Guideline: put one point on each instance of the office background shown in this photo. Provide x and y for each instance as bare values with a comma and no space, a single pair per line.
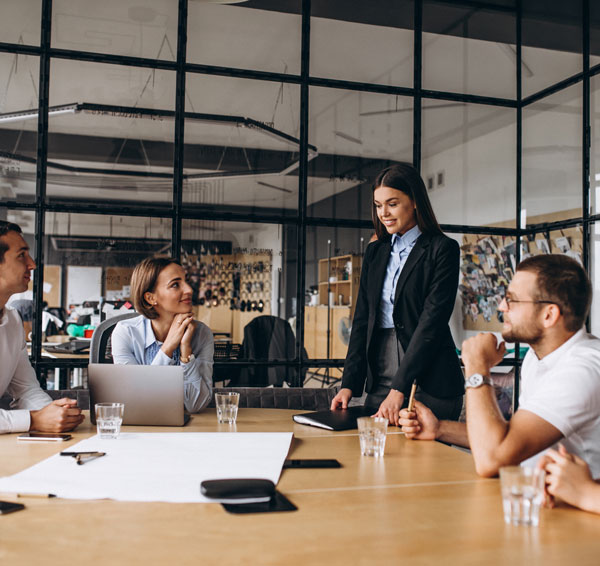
243,138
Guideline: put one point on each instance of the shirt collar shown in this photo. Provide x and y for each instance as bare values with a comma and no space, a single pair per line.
553,356
408,238
149,333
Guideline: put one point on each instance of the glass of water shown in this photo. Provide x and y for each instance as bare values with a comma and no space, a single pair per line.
372,433
227,407
522,494
109,417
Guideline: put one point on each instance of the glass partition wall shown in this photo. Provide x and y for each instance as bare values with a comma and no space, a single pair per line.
243,138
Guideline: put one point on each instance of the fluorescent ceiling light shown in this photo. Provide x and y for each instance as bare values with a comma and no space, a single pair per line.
31,114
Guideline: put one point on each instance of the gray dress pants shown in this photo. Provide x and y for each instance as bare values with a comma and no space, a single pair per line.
385,356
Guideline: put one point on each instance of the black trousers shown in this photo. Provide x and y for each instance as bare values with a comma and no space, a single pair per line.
386,354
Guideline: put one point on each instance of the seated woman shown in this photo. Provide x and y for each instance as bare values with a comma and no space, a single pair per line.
166,333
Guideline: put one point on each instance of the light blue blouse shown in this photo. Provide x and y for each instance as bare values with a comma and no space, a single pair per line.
401,248
133,342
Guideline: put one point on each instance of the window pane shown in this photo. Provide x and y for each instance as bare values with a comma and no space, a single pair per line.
244,280
487,265
595,150
469,162
90,258
594,273
263,36
552,41
21,21
552,157
241,151
594,33
357,134
363,41
110,133
119,27
18,133
333,264
469,50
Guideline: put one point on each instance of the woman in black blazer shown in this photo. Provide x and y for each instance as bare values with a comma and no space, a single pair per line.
407,291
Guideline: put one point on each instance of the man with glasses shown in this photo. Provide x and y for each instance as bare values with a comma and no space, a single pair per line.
33,409
546,306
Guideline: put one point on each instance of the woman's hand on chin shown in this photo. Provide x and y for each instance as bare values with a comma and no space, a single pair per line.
186,341
178,329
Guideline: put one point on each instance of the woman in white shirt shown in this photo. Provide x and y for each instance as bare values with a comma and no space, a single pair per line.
166,333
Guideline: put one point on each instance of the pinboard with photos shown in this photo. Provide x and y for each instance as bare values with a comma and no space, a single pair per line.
488,264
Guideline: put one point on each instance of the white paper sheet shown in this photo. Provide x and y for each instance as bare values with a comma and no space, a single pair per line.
155,466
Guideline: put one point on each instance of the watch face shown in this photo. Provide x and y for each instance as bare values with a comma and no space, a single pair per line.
475,380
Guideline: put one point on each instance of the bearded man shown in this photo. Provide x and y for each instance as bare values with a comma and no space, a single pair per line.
546,306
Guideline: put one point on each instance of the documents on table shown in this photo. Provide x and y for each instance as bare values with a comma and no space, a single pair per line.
155,466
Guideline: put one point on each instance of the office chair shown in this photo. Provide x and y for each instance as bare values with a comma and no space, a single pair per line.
268,338
100,347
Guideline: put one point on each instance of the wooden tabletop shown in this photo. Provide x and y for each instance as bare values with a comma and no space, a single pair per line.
421,504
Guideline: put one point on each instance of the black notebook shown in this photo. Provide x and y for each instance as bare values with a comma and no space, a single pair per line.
341,419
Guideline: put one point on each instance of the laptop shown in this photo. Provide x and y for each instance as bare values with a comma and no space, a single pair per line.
153,395
70,347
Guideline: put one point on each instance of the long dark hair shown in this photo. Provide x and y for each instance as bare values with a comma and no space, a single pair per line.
404,177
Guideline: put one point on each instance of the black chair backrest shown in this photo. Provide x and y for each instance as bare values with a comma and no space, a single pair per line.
99,348
299,398
268,338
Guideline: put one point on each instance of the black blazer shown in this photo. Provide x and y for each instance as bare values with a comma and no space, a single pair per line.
425,296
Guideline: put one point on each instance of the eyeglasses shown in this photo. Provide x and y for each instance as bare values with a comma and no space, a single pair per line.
510,301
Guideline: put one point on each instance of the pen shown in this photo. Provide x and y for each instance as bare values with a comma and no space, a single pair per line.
83,457
36,495
411,399
81,453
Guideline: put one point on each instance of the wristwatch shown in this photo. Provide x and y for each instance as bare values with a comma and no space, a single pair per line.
187,360
477,380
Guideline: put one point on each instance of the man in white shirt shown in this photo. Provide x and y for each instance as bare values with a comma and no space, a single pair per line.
33,409
545,306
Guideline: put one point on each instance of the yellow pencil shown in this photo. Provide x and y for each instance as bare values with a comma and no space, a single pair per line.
411,399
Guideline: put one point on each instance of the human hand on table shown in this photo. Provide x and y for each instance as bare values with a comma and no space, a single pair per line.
420,424
567,477
59,416
341,400
390,407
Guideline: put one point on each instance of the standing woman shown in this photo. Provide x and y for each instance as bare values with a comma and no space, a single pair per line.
166,333
407,292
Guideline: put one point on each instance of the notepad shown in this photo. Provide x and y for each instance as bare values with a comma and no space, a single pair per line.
341,419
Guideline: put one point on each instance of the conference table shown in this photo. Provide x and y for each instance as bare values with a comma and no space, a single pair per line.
422,503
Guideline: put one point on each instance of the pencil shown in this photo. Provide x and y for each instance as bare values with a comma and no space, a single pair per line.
411,399
36,495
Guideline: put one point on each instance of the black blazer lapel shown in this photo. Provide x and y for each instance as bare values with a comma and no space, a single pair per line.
377,274
414,257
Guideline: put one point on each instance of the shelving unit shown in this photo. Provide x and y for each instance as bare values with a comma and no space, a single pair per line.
340,276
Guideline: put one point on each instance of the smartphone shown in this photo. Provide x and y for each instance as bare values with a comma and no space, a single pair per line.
320,463
8,507
45,436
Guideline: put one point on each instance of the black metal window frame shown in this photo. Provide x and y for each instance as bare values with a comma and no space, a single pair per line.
177,211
